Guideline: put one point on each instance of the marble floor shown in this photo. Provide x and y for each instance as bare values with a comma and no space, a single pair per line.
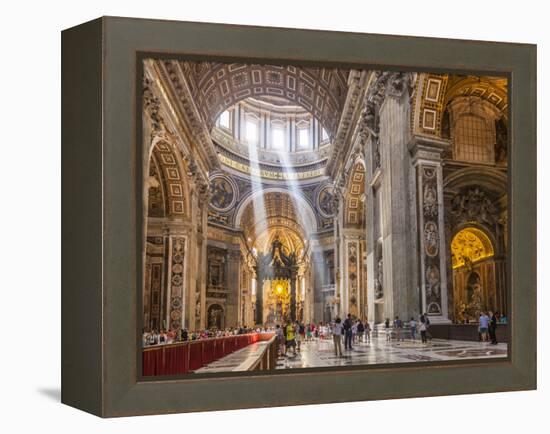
320,353
240,360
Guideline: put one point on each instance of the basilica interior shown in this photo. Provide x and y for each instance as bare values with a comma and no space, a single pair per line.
305,193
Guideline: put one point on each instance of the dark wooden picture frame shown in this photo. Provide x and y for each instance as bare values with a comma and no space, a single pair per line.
101,229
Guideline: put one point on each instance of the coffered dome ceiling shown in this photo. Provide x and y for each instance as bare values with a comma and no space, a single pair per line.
217,86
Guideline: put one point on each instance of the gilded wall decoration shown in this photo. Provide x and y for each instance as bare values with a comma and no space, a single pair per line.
470,245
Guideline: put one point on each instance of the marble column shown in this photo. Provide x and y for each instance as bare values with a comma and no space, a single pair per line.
426,156
395,217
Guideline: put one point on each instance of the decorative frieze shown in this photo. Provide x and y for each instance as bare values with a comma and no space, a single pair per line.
432,239
176,281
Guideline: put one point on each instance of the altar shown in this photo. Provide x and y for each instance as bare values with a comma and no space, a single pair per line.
276,274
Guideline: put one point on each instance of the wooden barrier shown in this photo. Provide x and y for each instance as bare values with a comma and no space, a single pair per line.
185,357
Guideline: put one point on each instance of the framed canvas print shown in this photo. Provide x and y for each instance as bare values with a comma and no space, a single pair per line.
263,217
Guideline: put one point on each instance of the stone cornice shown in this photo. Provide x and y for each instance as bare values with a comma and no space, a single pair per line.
357,87
427,148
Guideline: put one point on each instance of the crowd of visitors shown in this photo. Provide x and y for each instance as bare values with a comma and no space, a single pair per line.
160,337
352,331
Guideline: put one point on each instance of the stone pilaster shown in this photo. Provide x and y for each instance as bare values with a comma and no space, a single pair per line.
394,193
233,285
176,279
426,156
259,301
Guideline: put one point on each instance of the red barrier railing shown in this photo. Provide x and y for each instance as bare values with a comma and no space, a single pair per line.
182,358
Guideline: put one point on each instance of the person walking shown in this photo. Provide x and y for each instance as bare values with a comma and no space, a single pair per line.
387,328
348,332
367,331
484,326
280,334
423,329
493,320
290,336
360,330
337,331
412,326
427,321
398,326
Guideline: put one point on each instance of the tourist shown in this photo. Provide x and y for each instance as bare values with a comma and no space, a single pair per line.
162,337
484,326
302,331
184,335
322,331
313,330
337,331
290,338
503,319
347,332
398,326
280,334
423,329
354,331
412,326
387,329
145,337
367,331
297,335
493,327
308,332
360,330
427,320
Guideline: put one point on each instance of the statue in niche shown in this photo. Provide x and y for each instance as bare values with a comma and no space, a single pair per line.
222,193
215,316
198,307
378,282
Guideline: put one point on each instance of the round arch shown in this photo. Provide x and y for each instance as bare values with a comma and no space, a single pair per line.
173,178
491,179
304,209
469,245
434,92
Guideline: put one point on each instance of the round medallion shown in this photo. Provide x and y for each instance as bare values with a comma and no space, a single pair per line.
325,201
223,192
